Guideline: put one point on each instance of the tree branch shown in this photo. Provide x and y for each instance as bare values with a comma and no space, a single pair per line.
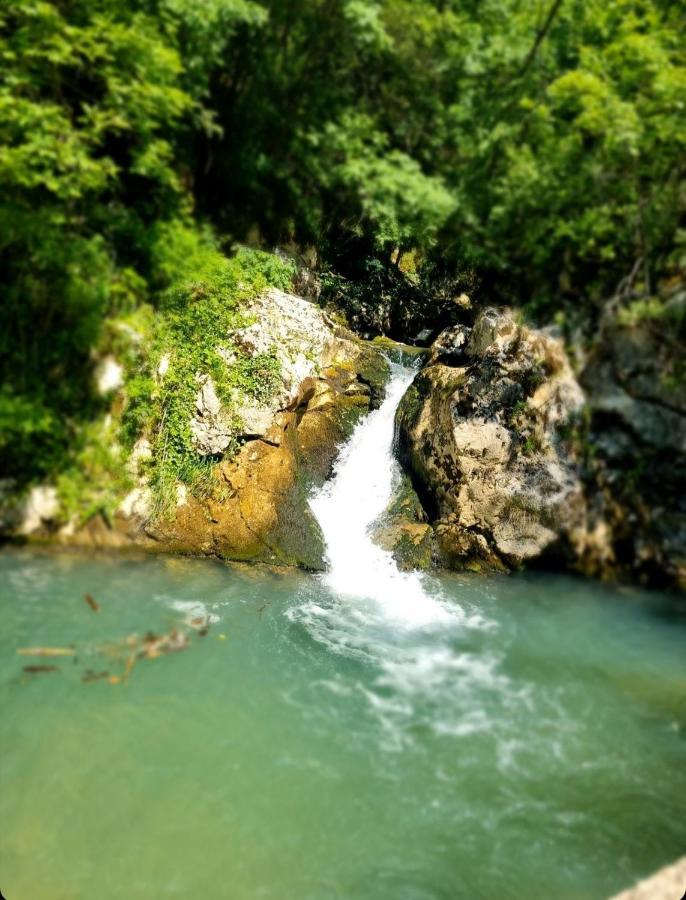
540,37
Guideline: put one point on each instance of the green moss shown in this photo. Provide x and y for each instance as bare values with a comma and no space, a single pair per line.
192,333
412,554
517,410
405,351
533,378
532,444
410,407
372,369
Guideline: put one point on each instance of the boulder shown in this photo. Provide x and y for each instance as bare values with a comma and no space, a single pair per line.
666,884
483,432
39,509
211,427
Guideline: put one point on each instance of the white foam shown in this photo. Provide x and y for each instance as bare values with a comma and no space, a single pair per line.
194,609
352,500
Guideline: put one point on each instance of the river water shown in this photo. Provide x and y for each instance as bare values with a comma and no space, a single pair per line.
361,734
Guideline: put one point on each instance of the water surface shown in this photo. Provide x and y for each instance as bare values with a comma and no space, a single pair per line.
528,742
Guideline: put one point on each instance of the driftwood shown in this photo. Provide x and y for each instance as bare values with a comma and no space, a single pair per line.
92,602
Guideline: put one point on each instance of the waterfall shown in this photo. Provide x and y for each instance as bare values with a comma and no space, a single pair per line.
366,608
365,475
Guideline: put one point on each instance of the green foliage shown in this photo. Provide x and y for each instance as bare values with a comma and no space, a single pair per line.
204,30
539,146
650,309
532,444
397,203
90,102
96,478
29,431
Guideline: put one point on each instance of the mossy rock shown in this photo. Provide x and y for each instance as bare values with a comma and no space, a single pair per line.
403,529
296,539
406,351
412,546
373,370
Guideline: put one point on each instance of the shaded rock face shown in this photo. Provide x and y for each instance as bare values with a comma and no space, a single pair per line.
392,301
415,316
484,433
636,472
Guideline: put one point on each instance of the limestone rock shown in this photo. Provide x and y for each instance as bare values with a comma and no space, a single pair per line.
211,429
482,431
667,884
260,511
137,504
296,330
403,529
287,443
109,375
39,509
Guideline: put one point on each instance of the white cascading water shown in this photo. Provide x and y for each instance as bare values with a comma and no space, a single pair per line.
347,506
365,607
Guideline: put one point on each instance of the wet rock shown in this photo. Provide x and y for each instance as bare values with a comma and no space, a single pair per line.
403,529
260,511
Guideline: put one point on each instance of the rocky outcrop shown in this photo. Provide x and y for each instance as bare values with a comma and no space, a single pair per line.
485,433
635,440
36,511
260,510
268,447
667,884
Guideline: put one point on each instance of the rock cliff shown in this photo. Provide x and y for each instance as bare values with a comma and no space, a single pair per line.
636,435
